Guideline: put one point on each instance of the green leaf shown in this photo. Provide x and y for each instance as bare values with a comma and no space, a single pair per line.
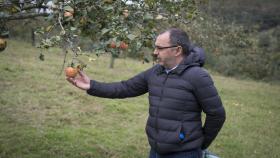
148,16
68,8
48,41
109,8
49,18
105,30
114,39
131,36
57,38
73,28
17,8
138,45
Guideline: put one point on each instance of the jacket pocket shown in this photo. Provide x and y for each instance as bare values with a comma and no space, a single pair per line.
182,134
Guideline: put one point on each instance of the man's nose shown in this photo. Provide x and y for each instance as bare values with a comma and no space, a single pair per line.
155,52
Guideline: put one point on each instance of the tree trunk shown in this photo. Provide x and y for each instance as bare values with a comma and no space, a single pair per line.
33,37
112,61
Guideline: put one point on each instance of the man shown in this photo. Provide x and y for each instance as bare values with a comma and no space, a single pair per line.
179,90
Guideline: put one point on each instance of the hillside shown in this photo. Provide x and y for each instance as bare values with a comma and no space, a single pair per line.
246,12
42,115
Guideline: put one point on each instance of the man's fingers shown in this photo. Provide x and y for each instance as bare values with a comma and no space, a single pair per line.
71,80
81,73
78,83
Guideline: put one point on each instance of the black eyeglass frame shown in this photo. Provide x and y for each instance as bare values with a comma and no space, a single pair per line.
161,48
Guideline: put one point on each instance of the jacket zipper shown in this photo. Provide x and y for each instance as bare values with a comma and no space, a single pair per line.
161,95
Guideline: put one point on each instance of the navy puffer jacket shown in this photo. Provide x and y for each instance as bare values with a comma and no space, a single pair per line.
176,101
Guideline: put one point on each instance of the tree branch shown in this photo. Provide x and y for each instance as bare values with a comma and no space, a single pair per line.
22,16
11,3
34,6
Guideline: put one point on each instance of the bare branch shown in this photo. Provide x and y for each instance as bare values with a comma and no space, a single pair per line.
22,16
34,6
11,3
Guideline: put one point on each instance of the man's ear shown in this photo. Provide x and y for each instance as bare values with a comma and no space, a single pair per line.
179,51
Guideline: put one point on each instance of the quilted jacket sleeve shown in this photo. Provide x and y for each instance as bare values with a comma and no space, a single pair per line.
130,88
209,99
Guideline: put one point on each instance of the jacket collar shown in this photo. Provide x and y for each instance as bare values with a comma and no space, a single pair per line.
195,58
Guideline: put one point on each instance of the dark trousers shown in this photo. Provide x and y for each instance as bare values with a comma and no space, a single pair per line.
187,154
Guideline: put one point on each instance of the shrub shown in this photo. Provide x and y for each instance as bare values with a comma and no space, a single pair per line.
234,51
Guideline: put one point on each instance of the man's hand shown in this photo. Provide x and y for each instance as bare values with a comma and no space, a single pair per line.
81,81
207,154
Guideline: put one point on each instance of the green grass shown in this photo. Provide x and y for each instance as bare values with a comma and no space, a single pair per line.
42,115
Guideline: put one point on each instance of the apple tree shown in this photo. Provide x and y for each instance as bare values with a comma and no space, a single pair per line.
114,26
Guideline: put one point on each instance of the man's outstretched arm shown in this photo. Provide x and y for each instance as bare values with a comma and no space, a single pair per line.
130,88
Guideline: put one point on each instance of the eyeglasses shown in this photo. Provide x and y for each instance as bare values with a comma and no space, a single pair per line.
161,48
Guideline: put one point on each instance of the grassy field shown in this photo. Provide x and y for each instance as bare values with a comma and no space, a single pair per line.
42,115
